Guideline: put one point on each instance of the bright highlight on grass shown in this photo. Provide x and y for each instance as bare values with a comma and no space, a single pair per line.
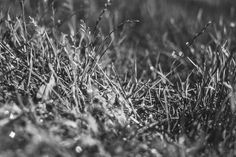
12,134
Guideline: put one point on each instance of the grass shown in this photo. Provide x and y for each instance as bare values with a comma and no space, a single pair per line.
111,88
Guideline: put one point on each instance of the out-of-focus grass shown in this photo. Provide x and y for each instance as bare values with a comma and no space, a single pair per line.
122,78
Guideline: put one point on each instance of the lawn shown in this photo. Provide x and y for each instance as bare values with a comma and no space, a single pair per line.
117,78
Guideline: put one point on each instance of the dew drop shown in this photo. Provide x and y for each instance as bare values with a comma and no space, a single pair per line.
41,120
12,116
152,68
174,54
181,54
232,24
78,149
12,134
187,43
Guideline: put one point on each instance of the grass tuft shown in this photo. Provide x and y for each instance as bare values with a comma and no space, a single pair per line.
116,86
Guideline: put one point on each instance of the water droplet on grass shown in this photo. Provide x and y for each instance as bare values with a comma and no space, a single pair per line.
41,120
232,24
12,134
78,149
187,43
12,116
174,55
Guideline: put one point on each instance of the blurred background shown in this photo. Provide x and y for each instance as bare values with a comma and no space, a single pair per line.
165,25
149,12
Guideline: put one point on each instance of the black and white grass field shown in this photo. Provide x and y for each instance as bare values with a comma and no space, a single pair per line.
117,78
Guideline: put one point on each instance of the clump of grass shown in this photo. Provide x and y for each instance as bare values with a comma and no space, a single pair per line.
93,94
